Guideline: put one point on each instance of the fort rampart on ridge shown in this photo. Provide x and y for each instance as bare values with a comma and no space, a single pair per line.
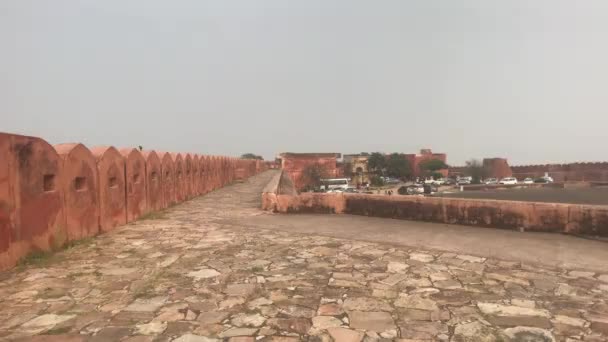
52,195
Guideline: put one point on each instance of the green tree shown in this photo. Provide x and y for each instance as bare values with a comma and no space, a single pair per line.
312,176
348,169
376,181
474,168
251,156
376,163
430,167
398,166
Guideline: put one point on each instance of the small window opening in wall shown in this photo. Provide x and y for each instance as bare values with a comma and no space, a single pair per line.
80,183
154,176
48,183
113,182
136,178
179,174
167,175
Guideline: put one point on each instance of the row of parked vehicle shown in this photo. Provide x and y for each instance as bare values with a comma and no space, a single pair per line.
506,180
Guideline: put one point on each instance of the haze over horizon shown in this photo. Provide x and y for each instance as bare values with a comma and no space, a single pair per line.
520,80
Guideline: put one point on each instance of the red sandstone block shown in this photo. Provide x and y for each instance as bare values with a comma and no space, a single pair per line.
112,202
180,183
135,173
188,188
214,173
196,191
31,201
154,189
167,179
225,174
204,169
80,185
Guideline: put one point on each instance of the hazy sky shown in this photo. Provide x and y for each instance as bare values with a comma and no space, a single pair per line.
526,80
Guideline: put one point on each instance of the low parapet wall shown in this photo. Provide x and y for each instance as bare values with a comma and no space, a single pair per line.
531,216
53,195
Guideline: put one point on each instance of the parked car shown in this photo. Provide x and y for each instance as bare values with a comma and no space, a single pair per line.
351,190
390,180
337,190
430,188
508,181
528,181
464,181
491,181
449,181
545,180
439,181
413,189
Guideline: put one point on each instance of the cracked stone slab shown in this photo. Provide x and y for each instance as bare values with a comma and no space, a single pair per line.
204,274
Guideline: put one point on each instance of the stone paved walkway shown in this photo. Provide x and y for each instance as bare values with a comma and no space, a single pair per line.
186,276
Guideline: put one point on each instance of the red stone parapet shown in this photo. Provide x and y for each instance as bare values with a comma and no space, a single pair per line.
80,185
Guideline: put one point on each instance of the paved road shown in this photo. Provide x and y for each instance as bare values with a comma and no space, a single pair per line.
208,269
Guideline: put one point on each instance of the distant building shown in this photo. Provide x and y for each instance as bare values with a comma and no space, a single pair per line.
355,167
425,155
294,165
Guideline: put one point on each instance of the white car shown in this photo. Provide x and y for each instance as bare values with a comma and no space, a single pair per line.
528,181
464,181
508,181
491,181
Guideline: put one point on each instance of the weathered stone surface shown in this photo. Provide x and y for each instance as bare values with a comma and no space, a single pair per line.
297,311
47,321
242,290
242,339
394,279
204,274
509,310
248,320
423,330
331,309
345,335
212,317
397,267
365,304
324,322
475,332
152,328
296,325
232,332
470,258
146,304
599,324
573,321
422,257
194,338
374,321
529,334
506,278
416,302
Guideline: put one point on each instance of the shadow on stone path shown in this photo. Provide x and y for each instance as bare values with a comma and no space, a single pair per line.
188,276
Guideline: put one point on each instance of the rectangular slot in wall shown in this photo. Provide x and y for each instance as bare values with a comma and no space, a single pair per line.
48,183
112,182
80,183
